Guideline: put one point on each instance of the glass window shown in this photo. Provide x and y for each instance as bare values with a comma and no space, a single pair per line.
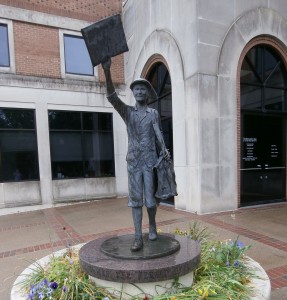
263,81
18,145
4,48
77,59
160,80
81,144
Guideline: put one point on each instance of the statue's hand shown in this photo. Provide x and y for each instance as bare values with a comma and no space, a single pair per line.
107,64
166,155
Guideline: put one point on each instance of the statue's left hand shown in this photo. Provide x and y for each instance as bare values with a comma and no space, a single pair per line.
166,155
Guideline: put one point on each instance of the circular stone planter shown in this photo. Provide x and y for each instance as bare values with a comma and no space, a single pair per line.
131,275
261,284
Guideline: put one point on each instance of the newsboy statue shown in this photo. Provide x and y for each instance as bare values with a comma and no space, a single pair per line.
145,145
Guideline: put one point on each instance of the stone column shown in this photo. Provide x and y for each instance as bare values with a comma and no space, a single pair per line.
44,156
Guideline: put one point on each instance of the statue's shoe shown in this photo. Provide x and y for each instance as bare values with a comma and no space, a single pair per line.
137,245
152,236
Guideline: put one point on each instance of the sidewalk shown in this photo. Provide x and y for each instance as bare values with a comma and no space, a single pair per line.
28,236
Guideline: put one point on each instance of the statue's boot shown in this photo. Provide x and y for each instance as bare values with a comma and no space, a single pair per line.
137,218
152,225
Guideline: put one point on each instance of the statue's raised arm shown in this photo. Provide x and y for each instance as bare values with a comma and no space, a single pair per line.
107,70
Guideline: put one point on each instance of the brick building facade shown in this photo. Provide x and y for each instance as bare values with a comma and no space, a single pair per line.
219,68
56,133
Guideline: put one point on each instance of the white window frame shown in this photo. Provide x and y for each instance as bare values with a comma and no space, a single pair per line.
11,68
62,56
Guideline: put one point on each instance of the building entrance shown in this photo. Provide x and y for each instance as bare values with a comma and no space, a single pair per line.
159,77
263,100
263,159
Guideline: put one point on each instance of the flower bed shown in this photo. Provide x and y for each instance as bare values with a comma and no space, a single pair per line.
225,272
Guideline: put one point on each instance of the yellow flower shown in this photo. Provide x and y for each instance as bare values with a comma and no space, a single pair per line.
173,298
159,230
199,291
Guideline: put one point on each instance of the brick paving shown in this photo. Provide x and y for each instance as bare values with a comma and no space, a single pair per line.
62,226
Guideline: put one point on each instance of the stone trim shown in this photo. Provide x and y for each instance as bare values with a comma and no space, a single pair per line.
156,58
24,15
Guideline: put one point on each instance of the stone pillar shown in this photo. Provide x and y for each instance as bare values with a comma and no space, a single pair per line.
44,156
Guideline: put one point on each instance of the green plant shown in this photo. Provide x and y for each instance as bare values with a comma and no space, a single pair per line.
61,279
196,232
222,274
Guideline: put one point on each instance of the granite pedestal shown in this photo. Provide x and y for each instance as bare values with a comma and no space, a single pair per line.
132,275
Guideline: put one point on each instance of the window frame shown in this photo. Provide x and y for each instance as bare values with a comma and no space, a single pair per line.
261,84
64,74
82,132
11,67
22,130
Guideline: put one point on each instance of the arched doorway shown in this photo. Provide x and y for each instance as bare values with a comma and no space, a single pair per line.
158,76
263,102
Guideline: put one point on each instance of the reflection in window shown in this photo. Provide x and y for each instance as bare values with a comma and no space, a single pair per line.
263,81
81,144
18,145
4,48
77,59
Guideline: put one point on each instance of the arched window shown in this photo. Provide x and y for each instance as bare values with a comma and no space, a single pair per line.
159,77
263,91
263,81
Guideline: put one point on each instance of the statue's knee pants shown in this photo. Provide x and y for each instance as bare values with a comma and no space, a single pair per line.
141,186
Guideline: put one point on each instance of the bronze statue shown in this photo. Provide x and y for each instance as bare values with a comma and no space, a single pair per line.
145,145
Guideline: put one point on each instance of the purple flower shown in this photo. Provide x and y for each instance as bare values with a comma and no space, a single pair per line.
53,285
236,264
64,289
239,244
227,264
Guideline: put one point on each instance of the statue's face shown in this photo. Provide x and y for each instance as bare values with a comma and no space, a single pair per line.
141,93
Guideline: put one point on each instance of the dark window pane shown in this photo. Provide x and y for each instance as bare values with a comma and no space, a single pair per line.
66,154
263,80
166,107
64,120
99,154
4,48
276,79
251,97
160,80
247,74
17,119
97,121
274,99
18,145
105,121
270,62
90,121
77,59
254,57
87,152
19,159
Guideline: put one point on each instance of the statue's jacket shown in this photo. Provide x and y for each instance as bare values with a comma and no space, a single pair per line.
146,143
143,143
